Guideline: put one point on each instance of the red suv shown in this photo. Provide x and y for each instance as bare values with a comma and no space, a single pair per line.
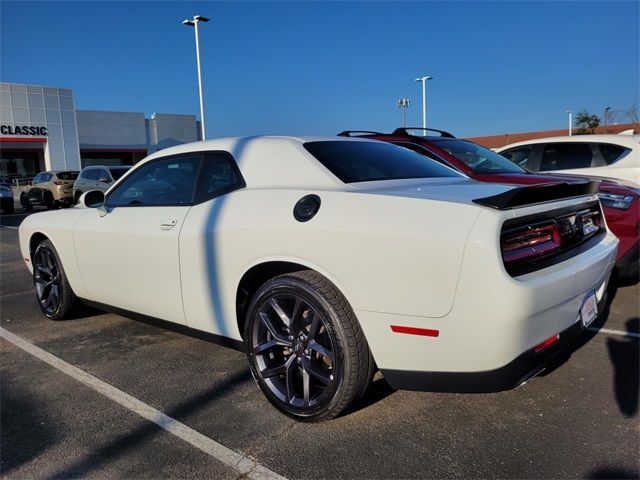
620,202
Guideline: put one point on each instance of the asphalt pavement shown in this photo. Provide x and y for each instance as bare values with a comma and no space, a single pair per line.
579,420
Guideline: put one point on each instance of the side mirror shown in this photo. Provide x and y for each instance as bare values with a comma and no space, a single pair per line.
92,199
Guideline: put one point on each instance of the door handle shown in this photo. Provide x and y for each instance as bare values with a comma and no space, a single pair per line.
168,223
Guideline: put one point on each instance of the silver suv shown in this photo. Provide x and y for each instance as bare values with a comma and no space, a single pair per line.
97,177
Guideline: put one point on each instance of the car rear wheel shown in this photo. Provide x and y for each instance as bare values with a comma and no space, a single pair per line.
77,196
54,294
8,209
305,347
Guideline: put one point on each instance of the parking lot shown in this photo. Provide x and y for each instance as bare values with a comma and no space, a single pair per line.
580,419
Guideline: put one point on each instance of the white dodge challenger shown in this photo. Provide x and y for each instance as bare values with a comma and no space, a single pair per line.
326,258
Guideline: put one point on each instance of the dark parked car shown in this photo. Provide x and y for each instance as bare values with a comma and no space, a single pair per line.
6,197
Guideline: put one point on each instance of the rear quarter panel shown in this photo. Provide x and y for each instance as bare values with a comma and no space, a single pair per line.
386,254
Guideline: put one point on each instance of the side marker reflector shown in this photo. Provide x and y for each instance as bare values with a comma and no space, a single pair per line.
547,343
425,332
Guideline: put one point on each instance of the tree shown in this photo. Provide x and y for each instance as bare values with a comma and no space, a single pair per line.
586,123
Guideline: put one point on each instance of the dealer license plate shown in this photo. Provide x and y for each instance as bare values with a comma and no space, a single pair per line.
589,309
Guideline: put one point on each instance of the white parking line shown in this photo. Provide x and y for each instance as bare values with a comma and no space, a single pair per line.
615,332
7,226
235,460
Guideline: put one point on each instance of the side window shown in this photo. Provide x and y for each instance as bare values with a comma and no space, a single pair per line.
169,181
37,178
612,153
103,174
219,174
46,177
561,156
91,174
520,155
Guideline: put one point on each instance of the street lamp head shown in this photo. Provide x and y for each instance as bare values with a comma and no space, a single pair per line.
188,22
423,79
200,18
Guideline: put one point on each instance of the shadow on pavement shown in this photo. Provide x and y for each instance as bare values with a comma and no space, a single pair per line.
147,430
23,435
625,356
611,472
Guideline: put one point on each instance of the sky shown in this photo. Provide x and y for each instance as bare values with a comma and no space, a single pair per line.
316,68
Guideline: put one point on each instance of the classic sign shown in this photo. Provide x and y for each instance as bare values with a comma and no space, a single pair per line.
24,130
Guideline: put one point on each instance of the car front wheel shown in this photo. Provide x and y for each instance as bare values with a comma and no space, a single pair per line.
55,296
305,347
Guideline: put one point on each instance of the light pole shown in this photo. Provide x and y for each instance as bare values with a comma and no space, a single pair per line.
194,23
403,104
606,114
570,121
424,100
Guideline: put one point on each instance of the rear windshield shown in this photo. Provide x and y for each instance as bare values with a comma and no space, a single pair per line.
117,172
369,161
479,159
67,175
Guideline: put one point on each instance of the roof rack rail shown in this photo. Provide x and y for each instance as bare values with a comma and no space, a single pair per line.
403,131
350,133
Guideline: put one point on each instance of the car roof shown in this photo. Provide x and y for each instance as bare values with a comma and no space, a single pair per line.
259,157
619,139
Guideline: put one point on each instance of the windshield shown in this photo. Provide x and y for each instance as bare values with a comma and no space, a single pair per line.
479,159
117,172
67,175
368,161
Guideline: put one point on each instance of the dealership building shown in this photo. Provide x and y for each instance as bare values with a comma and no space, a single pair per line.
40,129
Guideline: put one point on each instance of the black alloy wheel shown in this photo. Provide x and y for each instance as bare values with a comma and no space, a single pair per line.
54,294
305,347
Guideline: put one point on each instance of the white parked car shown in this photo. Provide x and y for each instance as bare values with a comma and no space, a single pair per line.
325,258
616,156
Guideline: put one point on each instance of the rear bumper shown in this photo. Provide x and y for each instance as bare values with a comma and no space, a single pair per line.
511,375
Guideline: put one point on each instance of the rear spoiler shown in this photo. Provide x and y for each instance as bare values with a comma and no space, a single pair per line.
531,194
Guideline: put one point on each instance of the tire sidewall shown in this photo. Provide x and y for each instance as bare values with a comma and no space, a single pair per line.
291,285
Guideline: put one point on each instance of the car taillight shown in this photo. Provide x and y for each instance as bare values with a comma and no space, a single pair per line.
59,182
530,242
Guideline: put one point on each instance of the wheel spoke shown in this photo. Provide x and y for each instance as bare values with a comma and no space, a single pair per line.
314,327
278,309
55,295
275,371
316,347
306,387
44,270
275,333
291,375
268,345
318,374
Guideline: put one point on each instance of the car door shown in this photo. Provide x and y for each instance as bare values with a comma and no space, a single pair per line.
129,257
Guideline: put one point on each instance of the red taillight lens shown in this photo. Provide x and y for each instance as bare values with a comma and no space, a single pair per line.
530,242
59,182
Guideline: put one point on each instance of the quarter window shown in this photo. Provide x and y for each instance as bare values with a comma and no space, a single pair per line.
170,181
561,156
612,153
219,174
